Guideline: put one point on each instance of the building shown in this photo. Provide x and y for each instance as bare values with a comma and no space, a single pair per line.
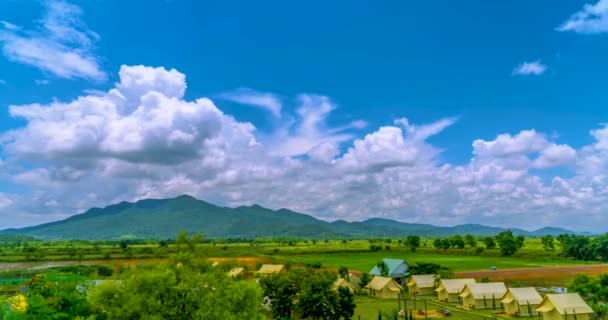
341,282
385,288
483,295
448,290
564,306
521,301
235,272
355,280
421,284
397,269
271,268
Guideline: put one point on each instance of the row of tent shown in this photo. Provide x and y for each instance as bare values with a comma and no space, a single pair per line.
492,295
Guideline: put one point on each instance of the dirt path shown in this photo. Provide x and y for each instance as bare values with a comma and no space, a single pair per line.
544,273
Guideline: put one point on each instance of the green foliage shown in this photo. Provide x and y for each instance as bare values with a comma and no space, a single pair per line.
383,268
457,241
470,240
413,242
489,242
365,279
594,291
507,243
548,242
343,273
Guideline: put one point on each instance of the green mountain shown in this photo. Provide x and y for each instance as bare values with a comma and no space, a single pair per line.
163,218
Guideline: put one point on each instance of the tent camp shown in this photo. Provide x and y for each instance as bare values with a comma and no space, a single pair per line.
397,269
564,306
271,268
341,282
448,290
235,272
385,288
483,295
354,279
521,301
421,284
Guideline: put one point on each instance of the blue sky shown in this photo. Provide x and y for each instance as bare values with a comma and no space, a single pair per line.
314,88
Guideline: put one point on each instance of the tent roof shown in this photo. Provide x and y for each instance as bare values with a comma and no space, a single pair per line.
341,282
570,303
453,285
490,290
392,264
235,272
422,281
378,283
271,268
523,296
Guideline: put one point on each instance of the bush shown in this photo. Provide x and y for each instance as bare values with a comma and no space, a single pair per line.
104,271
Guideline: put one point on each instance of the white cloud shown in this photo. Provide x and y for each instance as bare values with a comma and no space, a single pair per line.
535,68
591,19
41,82
9,26
144,139
268,101
61,44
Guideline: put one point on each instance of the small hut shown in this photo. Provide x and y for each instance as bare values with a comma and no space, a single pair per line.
521,301
421,284
235,272
564,306
483,295
397,269
448,290
385,288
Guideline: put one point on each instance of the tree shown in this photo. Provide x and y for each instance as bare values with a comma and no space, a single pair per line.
507,243
280,291
343,272
383,268
346,304
489,242
365,279
548,242
457,241
594,291
446,243
413,242
437,243
521,240
470,240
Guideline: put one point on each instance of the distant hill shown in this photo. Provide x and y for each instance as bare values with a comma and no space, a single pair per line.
163,218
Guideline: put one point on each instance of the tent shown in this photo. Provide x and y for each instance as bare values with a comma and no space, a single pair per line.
422,284
271,268
448,290
521,301
235,272
385,288
564,306
483,295
341,282
397,268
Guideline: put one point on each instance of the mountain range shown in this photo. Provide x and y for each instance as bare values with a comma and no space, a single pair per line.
164,218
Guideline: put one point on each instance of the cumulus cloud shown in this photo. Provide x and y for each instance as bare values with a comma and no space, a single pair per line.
61,43
143,139
535,68
591,19
265,100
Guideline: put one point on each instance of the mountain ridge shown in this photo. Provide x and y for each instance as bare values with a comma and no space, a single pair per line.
163,218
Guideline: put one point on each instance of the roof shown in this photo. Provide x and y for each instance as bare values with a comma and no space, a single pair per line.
271,268
378,283
523,296
489,290
569,303
453,285
422,281
341,282
397,268
235,272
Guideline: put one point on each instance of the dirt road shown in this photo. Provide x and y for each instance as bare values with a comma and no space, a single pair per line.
557,275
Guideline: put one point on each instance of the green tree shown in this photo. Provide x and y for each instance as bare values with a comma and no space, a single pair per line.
457,241
489,242
383,268
437,243
413,242
343,273
346,304
548,242
365,279
446,243
507,243
521,240
470,240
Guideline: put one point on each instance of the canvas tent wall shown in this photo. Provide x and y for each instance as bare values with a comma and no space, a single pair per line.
448,290
521,301
421,284
483,295
564,306
385,288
